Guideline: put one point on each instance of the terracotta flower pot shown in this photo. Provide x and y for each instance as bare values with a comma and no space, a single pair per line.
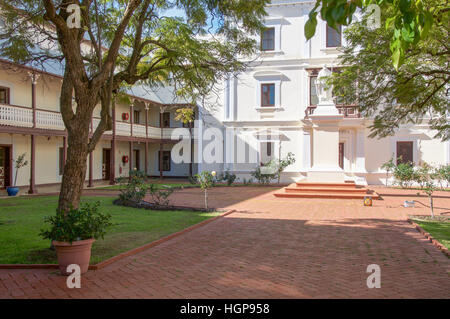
79,253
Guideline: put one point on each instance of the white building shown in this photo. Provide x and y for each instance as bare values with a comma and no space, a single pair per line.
276,96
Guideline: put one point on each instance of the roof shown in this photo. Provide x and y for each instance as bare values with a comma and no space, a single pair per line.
159,94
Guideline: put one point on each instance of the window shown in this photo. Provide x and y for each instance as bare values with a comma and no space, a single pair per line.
165,161
61,160
268,94
268,40
4,95
166,119
334,37
136,117
313,98
404,152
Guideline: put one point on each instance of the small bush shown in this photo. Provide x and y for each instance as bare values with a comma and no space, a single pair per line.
404,174
77,224
160,196
229,178
135,187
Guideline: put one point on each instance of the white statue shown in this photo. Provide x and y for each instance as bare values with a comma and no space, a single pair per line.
324,91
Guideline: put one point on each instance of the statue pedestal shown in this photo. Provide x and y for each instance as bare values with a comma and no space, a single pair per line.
325,145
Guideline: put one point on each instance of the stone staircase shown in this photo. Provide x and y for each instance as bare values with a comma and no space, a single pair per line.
347,190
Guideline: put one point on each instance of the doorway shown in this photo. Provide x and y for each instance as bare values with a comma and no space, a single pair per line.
5,166
341,155
106,164
136,160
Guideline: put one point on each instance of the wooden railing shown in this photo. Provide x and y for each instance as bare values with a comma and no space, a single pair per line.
19,116
349,111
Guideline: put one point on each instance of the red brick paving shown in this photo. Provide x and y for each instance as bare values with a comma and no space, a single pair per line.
272,248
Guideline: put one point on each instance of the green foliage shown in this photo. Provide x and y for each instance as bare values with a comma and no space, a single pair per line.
409,21
443,175
160,196
267,172
77,224
185,115
206,179
247,182
228,177
414,91
404,174
19,163
135,187
389,166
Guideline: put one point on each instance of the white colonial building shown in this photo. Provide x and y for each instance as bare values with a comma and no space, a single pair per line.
270,110
276,102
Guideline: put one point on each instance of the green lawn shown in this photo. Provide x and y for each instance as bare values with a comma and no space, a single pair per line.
438,229
21,220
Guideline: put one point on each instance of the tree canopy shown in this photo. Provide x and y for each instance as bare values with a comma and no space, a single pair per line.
418,91
410,20
123,42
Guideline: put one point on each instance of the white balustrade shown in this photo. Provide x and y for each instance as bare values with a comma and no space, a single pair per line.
123,129
139,130
16,116
49,120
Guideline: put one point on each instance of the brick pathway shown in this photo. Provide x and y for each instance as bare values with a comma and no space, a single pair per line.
272,248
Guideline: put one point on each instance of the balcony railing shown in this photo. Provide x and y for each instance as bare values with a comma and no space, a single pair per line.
19,116
349,111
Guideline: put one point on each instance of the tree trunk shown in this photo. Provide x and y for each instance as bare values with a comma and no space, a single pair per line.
431,206
192,149
75,169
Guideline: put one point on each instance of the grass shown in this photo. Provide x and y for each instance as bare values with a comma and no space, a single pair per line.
438,229
21,220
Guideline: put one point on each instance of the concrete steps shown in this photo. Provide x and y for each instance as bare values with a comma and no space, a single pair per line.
326,190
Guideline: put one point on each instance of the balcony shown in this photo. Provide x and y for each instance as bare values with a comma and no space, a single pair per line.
349,111
19,116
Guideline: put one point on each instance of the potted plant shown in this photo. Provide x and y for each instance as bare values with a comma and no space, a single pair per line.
18,163
73,233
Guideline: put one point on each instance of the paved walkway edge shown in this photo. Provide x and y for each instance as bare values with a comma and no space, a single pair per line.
128,253
432,240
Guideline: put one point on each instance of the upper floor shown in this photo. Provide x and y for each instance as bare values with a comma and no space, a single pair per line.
29,100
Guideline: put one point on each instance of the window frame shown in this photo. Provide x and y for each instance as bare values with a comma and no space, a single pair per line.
164,120
8,95
161,162
270,85
398,143
61,163
136,119
328,28
273,40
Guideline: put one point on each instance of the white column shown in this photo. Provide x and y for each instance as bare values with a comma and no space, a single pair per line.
229,148
226,90
199,140
306,150
232,98
360,156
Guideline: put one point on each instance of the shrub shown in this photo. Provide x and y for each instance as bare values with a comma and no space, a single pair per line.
160,196
404,174
77,224
229,178
389,166
422,174
206,180
135,187
265,173
443,175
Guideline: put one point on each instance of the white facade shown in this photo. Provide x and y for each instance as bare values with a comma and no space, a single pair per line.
288,69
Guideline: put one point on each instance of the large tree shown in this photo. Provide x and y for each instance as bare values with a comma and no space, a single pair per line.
122,42
418,91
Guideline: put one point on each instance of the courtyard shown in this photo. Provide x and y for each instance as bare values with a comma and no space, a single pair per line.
270,248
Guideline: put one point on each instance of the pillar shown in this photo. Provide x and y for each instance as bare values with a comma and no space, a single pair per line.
91,170
32,189
112,159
